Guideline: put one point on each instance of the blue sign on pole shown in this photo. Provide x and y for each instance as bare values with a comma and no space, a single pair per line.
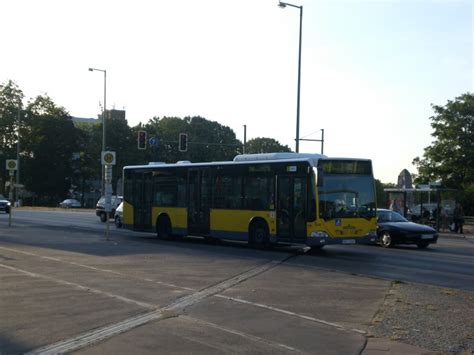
153,141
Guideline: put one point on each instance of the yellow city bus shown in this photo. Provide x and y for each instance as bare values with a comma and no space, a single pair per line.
259,198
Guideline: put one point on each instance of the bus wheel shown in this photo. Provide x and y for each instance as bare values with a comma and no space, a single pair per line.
163,227
259,236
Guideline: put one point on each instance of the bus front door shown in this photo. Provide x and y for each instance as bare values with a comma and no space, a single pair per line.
291,208
199,194
142,201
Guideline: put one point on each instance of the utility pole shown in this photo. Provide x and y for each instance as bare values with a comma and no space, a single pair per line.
317,140
18,152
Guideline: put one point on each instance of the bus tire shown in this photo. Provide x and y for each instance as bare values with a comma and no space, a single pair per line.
259,236
163,227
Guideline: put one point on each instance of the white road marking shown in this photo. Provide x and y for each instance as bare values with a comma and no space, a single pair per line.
279,310
241,334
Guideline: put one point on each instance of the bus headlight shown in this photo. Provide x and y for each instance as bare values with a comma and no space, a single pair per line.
319,234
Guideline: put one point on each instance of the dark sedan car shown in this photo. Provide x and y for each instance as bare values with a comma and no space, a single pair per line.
393,229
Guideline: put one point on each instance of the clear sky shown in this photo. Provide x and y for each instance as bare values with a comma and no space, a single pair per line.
370,69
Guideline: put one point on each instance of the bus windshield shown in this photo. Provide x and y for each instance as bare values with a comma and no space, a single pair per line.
346,196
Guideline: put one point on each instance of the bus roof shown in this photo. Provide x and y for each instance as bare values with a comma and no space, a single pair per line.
311,159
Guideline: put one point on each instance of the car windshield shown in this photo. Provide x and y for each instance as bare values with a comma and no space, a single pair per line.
114,200
390,216
2,197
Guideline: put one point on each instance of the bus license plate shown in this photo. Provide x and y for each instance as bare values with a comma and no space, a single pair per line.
348,241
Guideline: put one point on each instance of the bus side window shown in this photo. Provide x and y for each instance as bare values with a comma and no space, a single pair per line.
181,192
227,192
258,193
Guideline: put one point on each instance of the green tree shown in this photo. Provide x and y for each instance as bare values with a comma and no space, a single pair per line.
49,143
207,140
210,141
450,158
123,142
86,162
265,145
10,107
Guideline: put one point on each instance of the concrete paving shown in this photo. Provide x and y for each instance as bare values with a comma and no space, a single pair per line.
74,291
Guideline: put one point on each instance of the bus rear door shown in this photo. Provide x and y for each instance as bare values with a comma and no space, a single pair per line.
142,201
199,194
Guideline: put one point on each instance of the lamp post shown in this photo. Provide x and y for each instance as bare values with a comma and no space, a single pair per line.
103,123
245,139
283,5
18,152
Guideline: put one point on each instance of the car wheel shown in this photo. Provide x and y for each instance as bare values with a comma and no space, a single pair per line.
103,217
7,210
118,222
423,245
259,236
386,240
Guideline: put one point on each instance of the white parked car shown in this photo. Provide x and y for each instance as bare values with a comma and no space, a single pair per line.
100,207
4,204
119,216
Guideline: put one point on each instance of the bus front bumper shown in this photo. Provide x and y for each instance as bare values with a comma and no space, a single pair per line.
323,239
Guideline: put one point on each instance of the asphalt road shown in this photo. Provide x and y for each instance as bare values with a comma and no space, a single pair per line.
64,288
449,263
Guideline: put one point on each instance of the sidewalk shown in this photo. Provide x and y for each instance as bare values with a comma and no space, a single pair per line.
466,235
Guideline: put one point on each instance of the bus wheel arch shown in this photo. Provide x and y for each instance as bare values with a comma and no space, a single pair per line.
259,235
163,226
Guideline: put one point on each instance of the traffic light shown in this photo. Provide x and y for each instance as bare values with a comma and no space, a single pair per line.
142,139
183,142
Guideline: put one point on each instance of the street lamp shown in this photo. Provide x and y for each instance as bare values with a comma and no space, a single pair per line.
283,5
18,152
103,122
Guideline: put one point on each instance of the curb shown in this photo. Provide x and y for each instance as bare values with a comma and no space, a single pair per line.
381,346
466,236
